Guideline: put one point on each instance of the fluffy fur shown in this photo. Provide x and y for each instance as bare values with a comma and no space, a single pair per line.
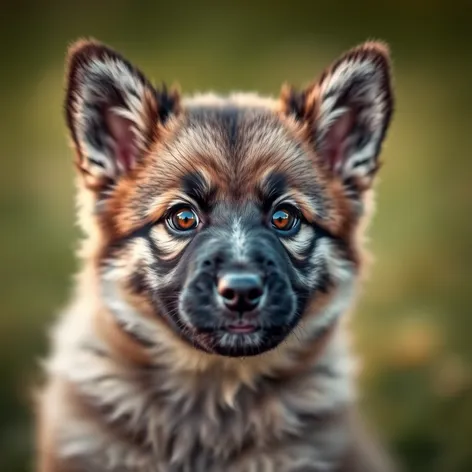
139,377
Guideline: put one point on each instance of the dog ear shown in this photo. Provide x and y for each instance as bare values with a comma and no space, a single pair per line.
113,112
346,113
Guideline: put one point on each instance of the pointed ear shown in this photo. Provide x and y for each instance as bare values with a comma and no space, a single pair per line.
113,112
346,113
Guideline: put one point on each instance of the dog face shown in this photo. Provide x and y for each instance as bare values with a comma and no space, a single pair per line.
229,219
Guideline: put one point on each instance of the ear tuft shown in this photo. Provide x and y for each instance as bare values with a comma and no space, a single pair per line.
113,112
347,112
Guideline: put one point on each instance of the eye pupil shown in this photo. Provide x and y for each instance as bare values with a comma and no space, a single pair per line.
184,219
283,219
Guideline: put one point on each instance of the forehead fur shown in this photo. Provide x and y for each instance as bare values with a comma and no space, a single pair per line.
234,144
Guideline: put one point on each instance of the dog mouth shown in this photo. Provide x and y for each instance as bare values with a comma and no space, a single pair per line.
236,311
242,327
239,338
210,326
237,333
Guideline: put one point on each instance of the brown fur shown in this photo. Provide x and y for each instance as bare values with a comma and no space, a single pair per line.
125,391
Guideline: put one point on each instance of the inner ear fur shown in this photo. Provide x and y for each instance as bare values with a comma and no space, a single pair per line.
346,113
112,111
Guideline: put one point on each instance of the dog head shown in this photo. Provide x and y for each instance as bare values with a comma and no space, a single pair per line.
231,220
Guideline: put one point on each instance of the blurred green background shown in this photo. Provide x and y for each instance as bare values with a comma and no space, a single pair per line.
413,324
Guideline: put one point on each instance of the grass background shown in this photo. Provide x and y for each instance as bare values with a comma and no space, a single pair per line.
413,323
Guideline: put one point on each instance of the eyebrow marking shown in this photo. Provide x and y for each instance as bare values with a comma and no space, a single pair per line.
198,189
271,189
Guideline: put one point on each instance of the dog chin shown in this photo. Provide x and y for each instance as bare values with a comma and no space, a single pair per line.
229,344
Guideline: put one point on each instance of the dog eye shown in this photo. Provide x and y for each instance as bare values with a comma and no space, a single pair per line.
284,219
183,219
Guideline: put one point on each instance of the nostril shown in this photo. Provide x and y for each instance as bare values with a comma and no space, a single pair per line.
229,295
254,294
207,263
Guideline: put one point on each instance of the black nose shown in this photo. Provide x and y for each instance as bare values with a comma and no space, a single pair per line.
240,291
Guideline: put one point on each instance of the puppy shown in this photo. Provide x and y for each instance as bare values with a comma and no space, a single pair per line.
222,251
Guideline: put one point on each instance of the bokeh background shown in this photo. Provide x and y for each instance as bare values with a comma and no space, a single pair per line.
413,323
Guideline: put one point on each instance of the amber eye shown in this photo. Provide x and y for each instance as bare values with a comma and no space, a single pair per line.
284,219
183,219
